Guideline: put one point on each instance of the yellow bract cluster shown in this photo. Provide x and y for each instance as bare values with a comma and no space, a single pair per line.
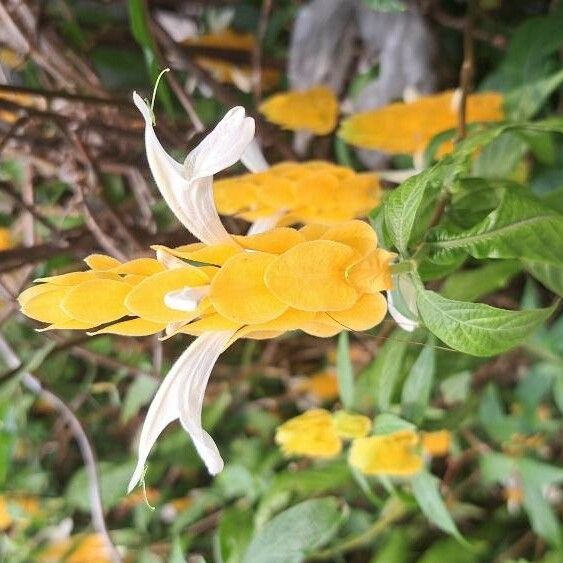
317,433
314,110
226,71
311,192
318,279
408,127
89,548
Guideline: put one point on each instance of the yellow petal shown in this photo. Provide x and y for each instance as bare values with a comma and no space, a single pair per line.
69,324
34,291
45,306
101,262
209,323
238,291
368,311
373,273
216,254
74,278
292,319
133,327
97,301
392,454
311,434
437,443
139,267
356,234
322,326
350,426
146,300
311,276
274,241
313,231
314,110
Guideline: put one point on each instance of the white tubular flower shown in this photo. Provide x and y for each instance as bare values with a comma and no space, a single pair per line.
188,188
253,158
180,396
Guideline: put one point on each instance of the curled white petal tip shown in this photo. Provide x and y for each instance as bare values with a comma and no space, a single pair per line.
253,158
188,188
181,395
402,320
186,299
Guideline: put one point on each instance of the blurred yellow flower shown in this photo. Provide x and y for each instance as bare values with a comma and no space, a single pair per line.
436,444
408,127
16,510
318,433
24,100
226,71
391,454
322,385
309,192
6,241
89,548
314,110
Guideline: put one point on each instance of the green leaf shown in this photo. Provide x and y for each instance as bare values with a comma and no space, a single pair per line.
402,207
386,5
475,328
522,226
395,549
289,536
233,535
385,370
345,372
470,285
139,394
387,423
548,274
427,495
418,385
499,158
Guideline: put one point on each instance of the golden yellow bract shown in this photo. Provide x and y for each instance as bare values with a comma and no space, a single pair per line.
408,127
390,454
436,444
88,548
314,110
318,433
260,286
315,191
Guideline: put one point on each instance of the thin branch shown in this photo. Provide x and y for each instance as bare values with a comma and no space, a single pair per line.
32,384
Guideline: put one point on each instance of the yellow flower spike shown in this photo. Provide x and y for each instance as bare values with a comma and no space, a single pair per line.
368,311
307,192
45,305
275,241
409,127
34,291
97,301
101,262
146,300
238,291
311,276
311,434
436,444
393,454
322,385
351,426
314,110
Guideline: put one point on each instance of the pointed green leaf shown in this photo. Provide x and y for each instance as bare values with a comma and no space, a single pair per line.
345,372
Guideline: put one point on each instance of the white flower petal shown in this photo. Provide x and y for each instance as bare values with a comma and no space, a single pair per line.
402,320
189,198
253,158
169,261
265,224
186,299
187,379
190,401
223,146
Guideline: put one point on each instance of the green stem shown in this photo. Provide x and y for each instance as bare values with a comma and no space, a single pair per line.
393,511
403,267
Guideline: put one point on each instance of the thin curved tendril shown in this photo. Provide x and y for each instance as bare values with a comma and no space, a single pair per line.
162,73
